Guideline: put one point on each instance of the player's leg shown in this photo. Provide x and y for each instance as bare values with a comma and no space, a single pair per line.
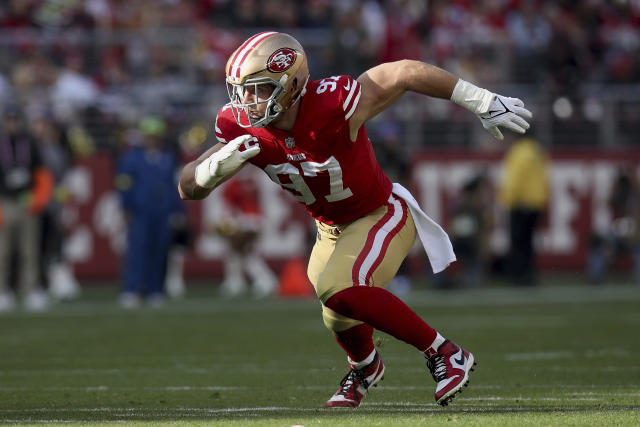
35,298
635,256
355,338
263,281
372,249
368,253
133,272
7,208
156,260
346,243
366,368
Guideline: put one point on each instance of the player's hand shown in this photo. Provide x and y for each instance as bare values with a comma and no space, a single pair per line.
226,160
505,112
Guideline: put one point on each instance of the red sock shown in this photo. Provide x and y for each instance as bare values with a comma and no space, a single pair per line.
385,312
357,342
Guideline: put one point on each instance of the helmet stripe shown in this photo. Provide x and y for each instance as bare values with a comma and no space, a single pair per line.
244,50
237,52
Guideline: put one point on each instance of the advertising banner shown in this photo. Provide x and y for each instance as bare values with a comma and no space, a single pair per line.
581,181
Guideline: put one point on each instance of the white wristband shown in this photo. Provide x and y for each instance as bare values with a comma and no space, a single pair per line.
471,97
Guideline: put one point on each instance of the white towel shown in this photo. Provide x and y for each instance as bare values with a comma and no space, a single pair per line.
434,239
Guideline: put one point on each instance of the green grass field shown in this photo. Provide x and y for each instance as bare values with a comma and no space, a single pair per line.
553,355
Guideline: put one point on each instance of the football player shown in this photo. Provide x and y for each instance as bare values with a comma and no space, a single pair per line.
309,137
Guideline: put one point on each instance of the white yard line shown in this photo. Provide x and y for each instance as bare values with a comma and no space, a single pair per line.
374,407
568,354
540,355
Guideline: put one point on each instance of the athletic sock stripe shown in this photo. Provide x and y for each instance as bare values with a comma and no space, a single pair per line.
378,241
402,210
245,49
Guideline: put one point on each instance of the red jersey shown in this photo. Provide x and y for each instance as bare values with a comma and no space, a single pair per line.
338,180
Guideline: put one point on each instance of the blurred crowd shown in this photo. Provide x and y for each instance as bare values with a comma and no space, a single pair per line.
83,76
103,64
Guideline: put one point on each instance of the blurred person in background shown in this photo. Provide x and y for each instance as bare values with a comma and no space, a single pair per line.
470,227
530,32
146,180
25,189
241,225
309,137
524,192
623,235
56,271
5,91
73,90
181,239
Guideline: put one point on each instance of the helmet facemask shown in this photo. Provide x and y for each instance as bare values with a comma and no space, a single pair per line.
265,90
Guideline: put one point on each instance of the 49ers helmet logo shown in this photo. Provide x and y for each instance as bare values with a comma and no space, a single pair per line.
281,60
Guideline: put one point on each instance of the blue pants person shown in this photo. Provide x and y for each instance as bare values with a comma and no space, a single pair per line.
148,239
147,187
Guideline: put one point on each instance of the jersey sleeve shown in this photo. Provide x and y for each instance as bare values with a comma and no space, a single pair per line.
348,95
339,94
225,125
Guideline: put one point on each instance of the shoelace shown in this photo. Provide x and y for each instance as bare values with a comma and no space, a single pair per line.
437,367
349,380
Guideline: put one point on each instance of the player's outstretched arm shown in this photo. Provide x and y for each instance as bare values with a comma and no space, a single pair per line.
215,166
386,83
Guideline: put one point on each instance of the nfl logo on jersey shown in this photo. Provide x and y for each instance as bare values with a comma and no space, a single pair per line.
290,142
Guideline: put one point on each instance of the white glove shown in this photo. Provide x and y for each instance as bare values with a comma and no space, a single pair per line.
505,112
226,160
493,110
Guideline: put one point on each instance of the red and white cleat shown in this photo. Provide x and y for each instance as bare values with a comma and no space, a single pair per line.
355,384
450,367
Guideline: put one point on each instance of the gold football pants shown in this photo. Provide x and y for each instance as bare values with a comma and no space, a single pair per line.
365,252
